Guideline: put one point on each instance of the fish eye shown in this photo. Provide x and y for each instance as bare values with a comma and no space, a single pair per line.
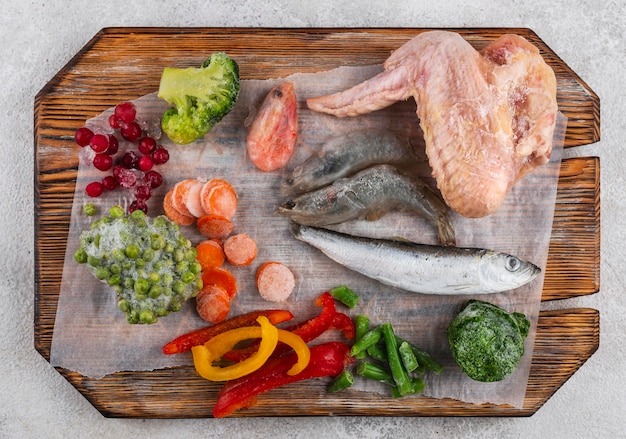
512,263
289,204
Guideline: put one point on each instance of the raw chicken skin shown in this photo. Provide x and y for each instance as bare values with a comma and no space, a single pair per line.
488,117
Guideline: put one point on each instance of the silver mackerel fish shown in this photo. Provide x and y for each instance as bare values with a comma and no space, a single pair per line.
421,268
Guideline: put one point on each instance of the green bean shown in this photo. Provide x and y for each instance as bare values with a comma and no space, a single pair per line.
361,326
398,372
345,295
374,372
424,358
344,380
368,339
378,352
407,356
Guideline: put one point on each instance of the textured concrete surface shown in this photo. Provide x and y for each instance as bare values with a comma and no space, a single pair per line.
40,37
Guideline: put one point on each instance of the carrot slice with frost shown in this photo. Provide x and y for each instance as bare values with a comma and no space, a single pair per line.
210,254
192,199
215,226
174,214
275,281
240,249
221,277
219,197
213,305
181,194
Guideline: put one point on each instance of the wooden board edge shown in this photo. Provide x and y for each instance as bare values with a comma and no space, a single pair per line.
133,394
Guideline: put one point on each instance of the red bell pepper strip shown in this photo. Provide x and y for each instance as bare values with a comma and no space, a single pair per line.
328,359
342,322
308,330
185,342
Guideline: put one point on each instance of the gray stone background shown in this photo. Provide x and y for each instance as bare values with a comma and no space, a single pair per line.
39,37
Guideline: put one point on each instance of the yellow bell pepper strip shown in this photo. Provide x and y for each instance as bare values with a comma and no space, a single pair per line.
185,342
299,346
204,355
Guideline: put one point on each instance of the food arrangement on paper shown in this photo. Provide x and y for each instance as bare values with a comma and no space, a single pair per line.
298,228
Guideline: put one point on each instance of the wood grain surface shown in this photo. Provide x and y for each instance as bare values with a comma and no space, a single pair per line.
126,63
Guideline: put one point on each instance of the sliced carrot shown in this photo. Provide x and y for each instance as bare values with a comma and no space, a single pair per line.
240,249
221,277
275,281
181,194
215,226
192,199
174,214
210,254
219,197
213,305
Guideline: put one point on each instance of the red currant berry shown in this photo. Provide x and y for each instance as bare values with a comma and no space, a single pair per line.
126,112
109,182
130,160
102,162
114,121
153,179
114,145
99,142
138,205
145,163
143,192
94,189
131,131
82,136
160,156
147,145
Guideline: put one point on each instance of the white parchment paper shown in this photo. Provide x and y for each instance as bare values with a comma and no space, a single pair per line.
91,335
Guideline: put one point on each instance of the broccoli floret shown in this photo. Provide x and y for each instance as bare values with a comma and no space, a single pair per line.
151,266
201,97
486,341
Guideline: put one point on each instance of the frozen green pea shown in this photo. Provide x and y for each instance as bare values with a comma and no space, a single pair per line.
154,277
195,267
148,255
179,254
141,286
124,305
80,256
157,242
155,291
182,267
115,268
118,254
89,209
102,273
114,280
116,212
188,277
147,316
132,251
129,283
93,261
179,287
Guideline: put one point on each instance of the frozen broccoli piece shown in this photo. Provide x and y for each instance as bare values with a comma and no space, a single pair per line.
201,97
486,341
151,266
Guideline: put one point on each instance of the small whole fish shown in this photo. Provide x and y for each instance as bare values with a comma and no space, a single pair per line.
370,194
421,268
273,133
345,154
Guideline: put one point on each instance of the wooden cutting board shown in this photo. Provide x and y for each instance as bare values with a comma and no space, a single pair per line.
125,63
